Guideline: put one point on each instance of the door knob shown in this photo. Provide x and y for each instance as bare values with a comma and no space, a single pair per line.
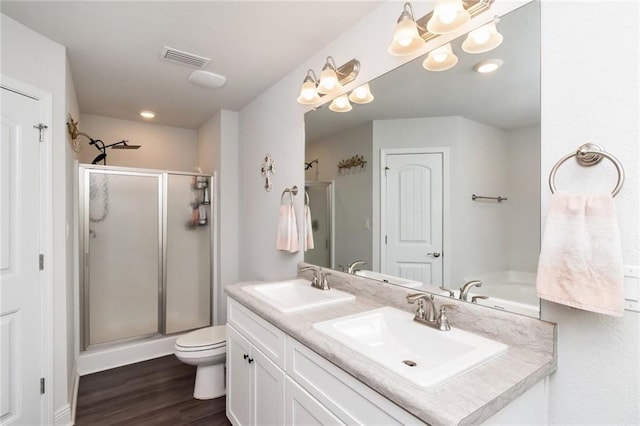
434,254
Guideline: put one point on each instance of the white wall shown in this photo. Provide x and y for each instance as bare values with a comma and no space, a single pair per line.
33,59
162,147
218,152
597,380
523,206
352,190
585,97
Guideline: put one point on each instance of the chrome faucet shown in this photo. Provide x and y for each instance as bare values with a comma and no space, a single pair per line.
426,312
464,291
319,277
351,267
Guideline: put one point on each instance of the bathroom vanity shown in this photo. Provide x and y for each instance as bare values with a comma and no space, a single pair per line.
295,374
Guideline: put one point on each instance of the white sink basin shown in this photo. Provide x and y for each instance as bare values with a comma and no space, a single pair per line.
388,278
296,295
420,354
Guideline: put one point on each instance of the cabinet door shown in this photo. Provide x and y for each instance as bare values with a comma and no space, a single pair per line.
238,378
303,409
268,390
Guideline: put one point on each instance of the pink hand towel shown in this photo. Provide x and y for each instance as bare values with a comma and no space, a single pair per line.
308,230
581,259
287,229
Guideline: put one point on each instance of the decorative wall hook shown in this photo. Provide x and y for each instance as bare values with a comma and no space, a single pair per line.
310,164
268,168
349,163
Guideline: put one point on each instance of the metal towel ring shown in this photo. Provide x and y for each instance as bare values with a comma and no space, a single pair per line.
291,191
587,155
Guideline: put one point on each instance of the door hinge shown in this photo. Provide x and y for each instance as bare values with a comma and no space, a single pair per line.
385,171
41,127
42,385
385,239
41,261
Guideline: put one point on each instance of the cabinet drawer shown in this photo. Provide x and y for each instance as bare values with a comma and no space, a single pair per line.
267,338
346,397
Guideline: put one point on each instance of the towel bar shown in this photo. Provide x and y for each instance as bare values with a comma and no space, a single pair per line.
588,155
292,191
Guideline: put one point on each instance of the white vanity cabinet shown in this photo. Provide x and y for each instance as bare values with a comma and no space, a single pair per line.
255,375
272,379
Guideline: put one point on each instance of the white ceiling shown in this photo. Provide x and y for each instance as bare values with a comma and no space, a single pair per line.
114,49
507,99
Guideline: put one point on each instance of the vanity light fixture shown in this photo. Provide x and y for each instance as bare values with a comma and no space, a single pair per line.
411,32
440,59
341,104
361,95
448,16
332,80
308,92
488,66
406,38
147,114
483,39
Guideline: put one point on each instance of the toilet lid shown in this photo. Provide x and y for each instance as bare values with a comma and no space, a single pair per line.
208,336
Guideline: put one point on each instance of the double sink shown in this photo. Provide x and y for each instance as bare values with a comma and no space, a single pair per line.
423,356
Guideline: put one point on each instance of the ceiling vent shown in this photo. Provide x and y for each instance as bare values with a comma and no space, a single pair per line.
185,58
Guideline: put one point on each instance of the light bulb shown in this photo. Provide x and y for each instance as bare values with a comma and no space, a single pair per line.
147,114
329,83
361,94
406,31
446,12
481,35
440,55
448,16
340,104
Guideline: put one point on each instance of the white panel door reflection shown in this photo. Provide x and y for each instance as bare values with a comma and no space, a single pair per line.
413,222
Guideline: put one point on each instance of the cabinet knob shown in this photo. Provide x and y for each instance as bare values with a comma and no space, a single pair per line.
250,360
245,356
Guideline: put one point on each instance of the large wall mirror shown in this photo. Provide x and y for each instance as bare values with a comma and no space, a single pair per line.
432,142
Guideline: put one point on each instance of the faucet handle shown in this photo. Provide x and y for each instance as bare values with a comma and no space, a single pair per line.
448,290
443,320
474,299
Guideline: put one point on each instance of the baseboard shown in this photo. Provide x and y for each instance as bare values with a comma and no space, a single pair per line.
62,417
97,360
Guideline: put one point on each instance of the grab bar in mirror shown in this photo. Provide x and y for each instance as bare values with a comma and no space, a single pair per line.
499,198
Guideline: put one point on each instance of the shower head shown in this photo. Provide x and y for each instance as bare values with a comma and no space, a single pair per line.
100,158
124,145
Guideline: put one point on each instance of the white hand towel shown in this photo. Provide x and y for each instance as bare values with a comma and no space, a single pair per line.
581,258
308,230
287,229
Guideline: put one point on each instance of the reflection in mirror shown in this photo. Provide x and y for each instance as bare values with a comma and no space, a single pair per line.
432,140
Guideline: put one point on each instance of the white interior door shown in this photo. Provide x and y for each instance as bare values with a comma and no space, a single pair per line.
412,212
20,288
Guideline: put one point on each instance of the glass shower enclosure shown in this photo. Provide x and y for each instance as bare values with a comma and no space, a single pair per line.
147,244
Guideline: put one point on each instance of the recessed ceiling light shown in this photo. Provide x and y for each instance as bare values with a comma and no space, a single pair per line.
490,65
147,114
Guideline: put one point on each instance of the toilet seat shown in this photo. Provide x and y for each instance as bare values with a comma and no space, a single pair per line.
204,339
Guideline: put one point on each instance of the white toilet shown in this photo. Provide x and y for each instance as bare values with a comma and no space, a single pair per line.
205,348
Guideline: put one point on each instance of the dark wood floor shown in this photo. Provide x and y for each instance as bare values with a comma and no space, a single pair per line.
155,392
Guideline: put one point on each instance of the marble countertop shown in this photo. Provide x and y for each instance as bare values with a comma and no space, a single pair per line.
469,398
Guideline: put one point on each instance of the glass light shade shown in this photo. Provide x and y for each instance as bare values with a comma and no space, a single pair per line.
329,83
448,16
406,38
308,93
440,59
482,39
361,95
340,104
488,66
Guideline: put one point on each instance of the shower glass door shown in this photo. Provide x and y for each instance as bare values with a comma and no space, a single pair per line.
187,252
121,292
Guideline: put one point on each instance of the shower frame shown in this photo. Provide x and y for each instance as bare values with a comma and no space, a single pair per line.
84,174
